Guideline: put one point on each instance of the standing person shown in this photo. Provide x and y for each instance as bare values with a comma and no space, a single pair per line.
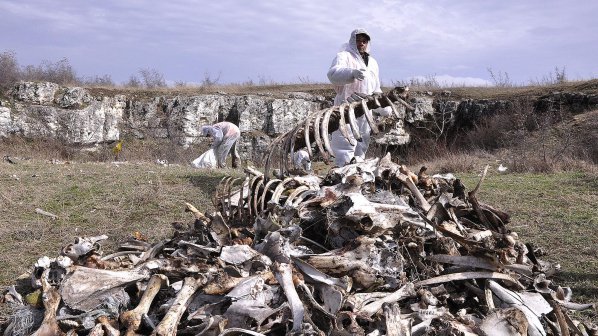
354,70
224,135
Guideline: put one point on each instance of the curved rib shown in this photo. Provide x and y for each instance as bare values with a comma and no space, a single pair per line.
294,194
256,196
319,138
306,135
369,117
324,131
353,121
395,112
266,188
342,124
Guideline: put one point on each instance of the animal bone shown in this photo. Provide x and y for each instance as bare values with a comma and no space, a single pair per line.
395,325
85,288
324,131
514,300
353,121
342,126
82,246
168,325
51,299
284,276
369,117
131,319
407,291
318,135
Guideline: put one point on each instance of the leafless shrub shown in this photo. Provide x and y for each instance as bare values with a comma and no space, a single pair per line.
105,80
133,82
437,125
305,80
9,69
152,78
60,72
428,82
559,76
208,80
490,133
500,79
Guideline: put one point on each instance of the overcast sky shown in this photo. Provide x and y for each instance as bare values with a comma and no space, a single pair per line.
295,41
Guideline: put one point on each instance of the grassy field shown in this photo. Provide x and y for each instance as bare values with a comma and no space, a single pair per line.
91,199
556,212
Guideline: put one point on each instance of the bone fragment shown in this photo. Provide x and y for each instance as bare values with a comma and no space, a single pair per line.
51,299
413,188
131,319
404,292
514,300
85,288
46,213
284,276
168,325
395,325
82,246
467,276
109,330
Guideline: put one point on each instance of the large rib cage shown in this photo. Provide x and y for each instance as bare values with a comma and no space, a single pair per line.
319,124
240,200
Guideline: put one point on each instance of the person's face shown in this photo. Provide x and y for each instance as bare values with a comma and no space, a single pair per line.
362,42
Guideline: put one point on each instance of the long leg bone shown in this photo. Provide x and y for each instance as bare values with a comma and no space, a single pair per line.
131,319
168,325
284,276
404,292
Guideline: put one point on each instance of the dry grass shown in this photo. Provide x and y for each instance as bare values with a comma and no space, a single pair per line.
556,212
91,199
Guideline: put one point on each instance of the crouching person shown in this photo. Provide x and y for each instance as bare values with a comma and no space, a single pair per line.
224,140
302,161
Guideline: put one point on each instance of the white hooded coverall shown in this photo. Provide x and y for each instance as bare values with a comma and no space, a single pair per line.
341,75
301,160
224,135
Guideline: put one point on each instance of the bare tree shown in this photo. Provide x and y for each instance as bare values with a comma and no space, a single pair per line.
152,78
500,79
208,80
9,69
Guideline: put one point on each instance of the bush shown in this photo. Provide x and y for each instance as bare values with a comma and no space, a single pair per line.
151,78
60,72
9,69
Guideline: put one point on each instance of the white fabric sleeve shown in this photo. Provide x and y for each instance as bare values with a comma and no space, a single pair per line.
340,72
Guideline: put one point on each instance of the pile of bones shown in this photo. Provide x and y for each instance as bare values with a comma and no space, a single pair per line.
368,249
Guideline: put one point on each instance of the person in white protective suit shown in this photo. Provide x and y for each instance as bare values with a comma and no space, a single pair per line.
302,161
224,135
354,70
